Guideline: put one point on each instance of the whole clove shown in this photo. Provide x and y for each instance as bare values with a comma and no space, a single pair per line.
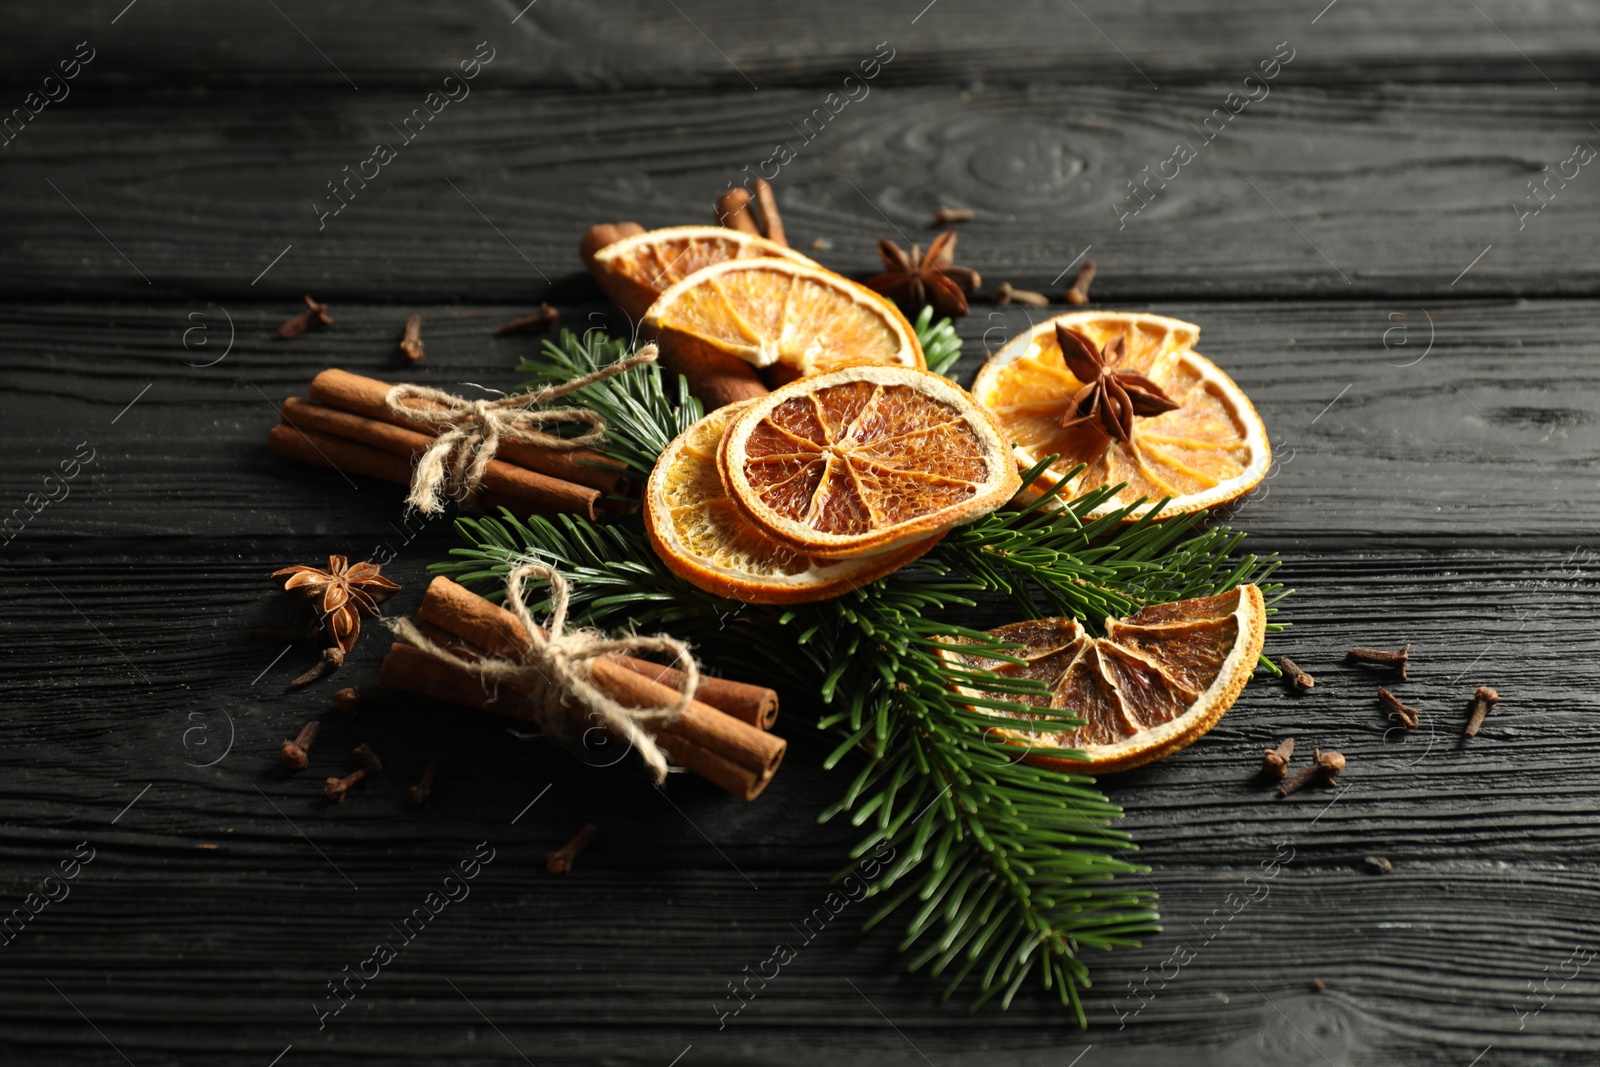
560,861
336,788
1325,768
411,341
1275,761
952,214
1079,291
1398,659
1484,699
545,318
422,792
1401,713
1004,294
1295,676
294,752
314,314
332,659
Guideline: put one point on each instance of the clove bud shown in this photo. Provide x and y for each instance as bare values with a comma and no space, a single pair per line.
1325,767
1296,677
1275,761
294,752
314,313
1406,716
1484,699
560,861
1399,659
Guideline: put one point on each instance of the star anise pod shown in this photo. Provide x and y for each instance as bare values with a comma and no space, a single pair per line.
342,593
916,279
1110,398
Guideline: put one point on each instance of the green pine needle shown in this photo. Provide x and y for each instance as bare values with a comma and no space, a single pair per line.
1001,868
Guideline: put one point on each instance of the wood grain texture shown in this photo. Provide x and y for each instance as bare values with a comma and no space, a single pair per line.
1490,435
702,43
1434,416
1388,191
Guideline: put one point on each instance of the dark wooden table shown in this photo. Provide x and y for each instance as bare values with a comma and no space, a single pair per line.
1422,349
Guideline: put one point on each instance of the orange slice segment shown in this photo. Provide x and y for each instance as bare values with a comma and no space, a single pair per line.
1211,450
792,316
636,270
865,460
704,539
1156,683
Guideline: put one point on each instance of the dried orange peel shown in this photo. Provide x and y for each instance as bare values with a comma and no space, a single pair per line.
703,538
788,314
1211,450
1154,684
637,269
865,460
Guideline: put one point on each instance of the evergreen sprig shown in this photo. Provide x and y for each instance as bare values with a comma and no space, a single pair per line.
1011,867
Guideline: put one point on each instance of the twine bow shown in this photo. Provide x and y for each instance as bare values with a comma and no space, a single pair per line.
469,431
554,669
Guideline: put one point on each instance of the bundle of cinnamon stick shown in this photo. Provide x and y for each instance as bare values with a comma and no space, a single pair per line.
721,736
347,425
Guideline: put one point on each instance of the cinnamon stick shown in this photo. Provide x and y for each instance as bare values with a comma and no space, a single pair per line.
701,727
715,376
528,488
733,211
754,704
364,396
631,296
415,671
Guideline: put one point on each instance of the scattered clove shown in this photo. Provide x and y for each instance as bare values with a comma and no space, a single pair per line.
1079,292
355,700
560,861
1399,659
294,752
314,313
1484,699
332,659
1275,761
1318,985
336,788
1378,864
1406,716
1004,294
952,214
1296,677
544,319
422,792
411,342
1325,767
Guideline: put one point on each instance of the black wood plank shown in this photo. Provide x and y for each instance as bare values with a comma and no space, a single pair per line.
220,903
1489,438
1151,44
1388,191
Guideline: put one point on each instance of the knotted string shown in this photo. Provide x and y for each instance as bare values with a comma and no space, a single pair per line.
553,671
469,431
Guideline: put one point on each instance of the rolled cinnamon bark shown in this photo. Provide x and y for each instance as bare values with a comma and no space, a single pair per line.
527,489
352,457
754,704
414,671
364,396
733,211
499,633
715,376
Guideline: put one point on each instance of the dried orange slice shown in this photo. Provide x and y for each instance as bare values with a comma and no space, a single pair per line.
1154,684
705,540
791,316
865,460
1211,450
636,270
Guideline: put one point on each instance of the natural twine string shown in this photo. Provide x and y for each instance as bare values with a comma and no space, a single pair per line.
554,669
454,465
